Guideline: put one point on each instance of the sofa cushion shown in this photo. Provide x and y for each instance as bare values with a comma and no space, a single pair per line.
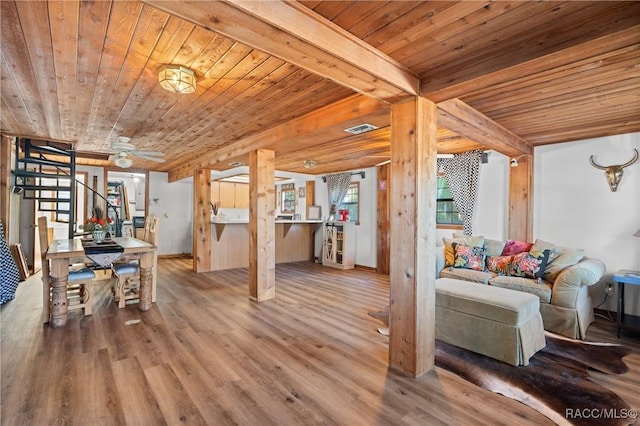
512,247
468,257
449,254
560,258
493,247
500,265
467,275
527,285
529,264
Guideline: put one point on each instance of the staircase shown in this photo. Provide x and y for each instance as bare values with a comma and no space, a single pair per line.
46,173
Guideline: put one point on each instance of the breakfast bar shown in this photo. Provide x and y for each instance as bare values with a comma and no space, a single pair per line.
294,241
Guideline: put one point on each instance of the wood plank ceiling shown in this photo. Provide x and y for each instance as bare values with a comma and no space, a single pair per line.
86,73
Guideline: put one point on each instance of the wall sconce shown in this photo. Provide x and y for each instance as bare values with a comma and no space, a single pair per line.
177,79
514,161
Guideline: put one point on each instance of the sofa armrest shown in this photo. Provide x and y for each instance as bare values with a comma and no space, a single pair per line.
566,287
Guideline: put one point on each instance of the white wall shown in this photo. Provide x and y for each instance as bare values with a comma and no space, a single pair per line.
574,207
173,204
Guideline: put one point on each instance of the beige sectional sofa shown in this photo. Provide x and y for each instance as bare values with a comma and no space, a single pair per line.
562,288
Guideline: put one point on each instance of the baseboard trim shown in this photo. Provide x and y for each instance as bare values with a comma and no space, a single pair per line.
174,256
368,268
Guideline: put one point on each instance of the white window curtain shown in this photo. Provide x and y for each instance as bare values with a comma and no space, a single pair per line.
337,186
461,173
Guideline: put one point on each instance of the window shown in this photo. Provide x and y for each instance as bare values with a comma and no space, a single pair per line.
446,210
351,201
288,198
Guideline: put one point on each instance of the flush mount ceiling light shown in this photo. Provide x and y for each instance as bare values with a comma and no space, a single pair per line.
236,163
310,164
177,79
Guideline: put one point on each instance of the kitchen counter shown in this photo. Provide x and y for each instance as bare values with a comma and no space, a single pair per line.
294,240
246,221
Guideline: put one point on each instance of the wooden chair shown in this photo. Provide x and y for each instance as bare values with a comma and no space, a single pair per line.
125,275
79,281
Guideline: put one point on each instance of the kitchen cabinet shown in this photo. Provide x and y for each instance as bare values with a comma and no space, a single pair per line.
230,195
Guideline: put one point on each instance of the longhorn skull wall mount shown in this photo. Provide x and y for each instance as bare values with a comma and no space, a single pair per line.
614,172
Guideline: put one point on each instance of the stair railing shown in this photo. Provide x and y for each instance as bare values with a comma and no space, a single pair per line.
74,181
118,222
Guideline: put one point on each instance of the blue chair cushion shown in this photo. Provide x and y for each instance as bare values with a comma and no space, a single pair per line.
125,268
82,274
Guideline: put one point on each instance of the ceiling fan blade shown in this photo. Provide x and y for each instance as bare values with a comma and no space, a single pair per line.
147,153
122,146
157,159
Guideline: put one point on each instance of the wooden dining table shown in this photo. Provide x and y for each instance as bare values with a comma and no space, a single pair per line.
62,252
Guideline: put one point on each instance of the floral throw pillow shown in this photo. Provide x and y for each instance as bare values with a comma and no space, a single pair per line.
500,265
449,254
513,247
468,257
529,264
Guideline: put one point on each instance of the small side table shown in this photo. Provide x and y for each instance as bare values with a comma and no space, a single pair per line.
625,277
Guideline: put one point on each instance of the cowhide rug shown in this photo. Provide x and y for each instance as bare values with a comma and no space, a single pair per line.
555,383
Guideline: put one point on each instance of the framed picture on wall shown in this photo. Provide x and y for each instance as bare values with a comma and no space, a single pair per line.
301,192
314,213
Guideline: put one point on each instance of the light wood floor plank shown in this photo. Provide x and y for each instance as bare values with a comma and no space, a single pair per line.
206,354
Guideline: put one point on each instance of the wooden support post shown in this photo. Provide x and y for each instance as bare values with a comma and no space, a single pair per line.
202,221
520,222
310,193
413,236
5,182
382,258
262,246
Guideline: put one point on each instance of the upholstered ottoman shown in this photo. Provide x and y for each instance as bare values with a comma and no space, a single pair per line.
497,322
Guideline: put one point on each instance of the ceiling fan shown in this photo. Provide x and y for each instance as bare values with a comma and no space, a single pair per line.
123,148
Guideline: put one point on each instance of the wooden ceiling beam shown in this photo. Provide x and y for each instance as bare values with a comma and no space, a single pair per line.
300,36
344,111
466,121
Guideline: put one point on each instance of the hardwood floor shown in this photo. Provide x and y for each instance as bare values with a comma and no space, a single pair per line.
206,354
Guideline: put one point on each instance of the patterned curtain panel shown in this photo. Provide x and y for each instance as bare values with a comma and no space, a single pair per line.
9,275
337,185
461,173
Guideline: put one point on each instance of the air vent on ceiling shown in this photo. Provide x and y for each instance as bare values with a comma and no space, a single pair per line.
361,128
